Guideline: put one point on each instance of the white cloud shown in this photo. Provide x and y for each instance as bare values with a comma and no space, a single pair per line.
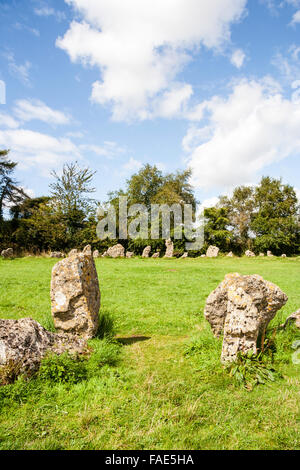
207,204
132,165
251,129
238,57
36,150
29,110
20,71
140,47
296,18
108,149
8,121
48,11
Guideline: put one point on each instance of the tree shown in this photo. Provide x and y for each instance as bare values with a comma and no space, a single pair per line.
10,192
275,221
239,209
216,228
69,194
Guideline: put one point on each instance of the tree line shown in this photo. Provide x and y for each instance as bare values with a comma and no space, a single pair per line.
259,218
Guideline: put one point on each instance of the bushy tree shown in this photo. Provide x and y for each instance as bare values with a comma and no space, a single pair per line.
216,230
10,192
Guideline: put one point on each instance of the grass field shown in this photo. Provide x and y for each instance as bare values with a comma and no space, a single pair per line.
165,388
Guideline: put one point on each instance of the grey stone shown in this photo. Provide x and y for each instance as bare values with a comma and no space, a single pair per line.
169,249
241,307
146,252
117,251
25,342
75,295
250,254
212,252
8,253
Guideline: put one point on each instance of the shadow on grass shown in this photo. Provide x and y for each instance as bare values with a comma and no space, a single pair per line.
132,339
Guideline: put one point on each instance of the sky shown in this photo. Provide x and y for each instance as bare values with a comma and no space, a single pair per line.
211,85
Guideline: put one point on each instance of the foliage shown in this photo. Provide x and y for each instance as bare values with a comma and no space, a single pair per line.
63,369
252,369
10,192
216,228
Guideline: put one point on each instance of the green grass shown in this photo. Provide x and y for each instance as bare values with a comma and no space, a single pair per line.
163,387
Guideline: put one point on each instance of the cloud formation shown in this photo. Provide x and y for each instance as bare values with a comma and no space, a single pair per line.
255,126
140,48
29,110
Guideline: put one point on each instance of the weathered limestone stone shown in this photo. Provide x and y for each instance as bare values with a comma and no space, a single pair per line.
146,252
9,253
250,254
283,256
156,255
105,255
261,254
185,255
203,256
96,254
230,255
212,252
117,251
56,254
270,254
129,254
242,307
25,342
75,295
295,317
169,249
73,252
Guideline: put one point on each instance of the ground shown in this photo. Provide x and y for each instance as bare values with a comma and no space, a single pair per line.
167,388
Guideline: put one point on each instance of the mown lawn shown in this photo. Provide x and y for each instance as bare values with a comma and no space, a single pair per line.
167,388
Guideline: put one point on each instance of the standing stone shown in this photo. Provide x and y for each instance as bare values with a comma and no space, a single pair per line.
156,255
25,342
9,253
230,255
203,256
270,254
146,252
117,251
241,307
129,254
250,254
295,317
96,254
56,254
169,249
73,252
261,254
212,252
185,255
283,256
105,255
75,295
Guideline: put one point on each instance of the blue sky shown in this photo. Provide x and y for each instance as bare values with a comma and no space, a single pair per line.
212,85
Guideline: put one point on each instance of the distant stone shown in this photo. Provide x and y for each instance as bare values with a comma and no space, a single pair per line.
250,254
241,307
146,252
117,251
261,254
185,255
295,317
230,255
283,256
129,254
270,254
75,295
25,342
56,254
8,253
105,255
212,252
156,255
169,249
96,254
73,252
203,256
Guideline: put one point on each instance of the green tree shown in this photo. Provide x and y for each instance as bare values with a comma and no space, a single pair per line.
70,196
10,192
240,207
275,221
216,230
